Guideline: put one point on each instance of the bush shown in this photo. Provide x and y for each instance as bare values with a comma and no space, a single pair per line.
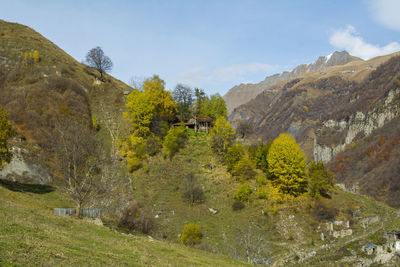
193,192
320,180
221,136
234,154
244,192
132,219
323,212
174,141
191,234
244,169
237,205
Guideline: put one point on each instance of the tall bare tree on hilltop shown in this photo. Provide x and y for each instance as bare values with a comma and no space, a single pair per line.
98,60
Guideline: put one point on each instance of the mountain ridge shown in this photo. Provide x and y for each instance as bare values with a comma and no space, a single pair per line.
243,93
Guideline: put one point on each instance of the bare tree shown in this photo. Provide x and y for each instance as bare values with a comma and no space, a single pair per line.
77,153
252,247
98,60
244,128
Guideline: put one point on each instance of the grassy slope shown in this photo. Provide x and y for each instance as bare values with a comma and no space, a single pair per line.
159,187
31,235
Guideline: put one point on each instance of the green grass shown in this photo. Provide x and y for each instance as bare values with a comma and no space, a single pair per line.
159,187
31,235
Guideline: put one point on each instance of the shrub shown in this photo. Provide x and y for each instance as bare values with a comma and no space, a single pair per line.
234,154
95,123
320,180
243,193
193,192
191,234
132,219
291,236
322,211
221,136
244,169
237,205
174,141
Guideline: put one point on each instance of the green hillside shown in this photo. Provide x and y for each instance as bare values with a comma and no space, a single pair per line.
286,235
31,235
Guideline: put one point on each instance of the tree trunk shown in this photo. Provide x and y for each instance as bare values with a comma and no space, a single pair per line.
78,210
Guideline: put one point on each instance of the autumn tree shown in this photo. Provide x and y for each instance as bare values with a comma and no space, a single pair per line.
287,165
174,141
233,155
183,96
36,56
149,110
244,169
97,59
5,133
222,136
320,180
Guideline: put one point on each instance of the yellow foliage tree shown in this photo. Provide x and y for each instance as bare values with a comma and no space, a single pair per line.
287,166
36,56
149,109
222,136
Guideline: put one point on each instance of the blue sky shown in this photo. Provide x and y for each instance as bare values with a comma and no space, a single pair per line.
212,44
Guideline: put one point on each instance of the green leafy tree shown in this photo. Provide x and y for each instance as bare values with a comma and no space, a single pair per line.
174,141
244,169
222,136
191,234
260,156
183,96
286,165
5,133
199,108
217,107
320,180
234,154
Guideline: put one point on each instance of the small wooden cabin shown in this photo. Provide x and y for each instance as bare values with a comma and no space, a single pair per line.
198,124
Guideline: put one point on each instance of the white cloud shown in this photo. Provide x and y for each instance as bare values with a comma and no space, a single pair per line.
386,12
236,73
349,40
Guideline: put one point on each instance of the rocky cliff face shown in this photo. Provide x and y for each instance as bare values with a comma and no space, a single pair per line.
243,93
336,113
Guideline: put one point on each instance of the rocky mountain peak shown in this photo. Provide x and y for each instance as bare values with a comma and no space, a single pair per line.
242,94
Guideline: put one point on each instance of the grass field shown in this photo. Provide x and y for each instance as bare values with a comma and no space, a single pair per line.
31,235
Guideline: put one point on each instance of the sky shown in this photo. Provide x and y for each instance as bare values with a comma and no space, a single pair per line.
211,44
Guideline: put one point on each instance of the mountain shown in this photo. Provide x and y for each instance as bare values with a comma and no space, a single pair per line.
243,93
340,108
265,229
35,93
